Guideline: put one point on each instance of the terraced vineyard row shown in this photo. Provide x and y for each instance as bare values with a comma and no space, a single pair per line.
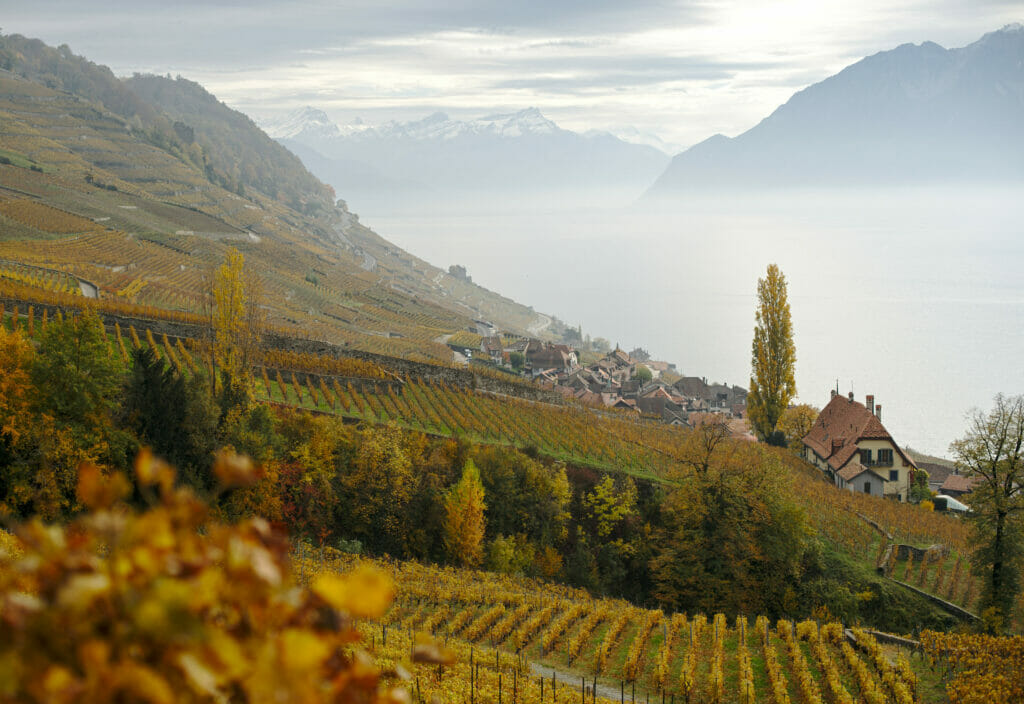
565,432
36,277
526,630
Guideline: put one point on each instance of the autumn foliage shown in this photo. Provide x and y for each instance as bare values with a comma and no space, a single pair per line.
981,669
773,355
168,605
464,518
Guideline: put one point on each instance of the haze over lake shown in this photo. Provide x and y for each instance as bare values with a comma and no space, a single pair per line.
915,296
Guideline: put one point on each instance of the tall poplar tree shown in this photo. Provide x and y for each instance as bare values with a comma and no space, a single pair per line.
773,357
464,518
236,325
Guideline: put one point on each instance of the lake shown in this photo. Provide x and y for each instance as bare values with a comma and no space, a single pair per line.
915,296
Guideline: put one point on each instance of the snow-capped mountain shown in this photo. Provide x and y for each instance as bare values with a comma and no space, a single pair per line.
916,114
440,126
512,156
309,123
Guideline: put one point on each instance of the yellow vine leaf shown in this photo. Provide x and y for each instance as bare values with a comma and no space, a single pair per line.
365,593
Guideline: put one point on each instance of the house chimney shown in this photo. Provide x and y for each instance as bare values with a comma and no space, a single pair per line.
870,403
878,411
851,396
834,393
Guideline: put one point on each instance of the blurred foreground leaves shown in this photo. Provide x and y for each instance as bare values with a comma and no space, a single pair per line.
169,605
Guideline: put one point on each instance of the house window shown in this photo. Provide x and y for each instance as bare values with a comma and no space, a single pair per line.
885,458
894,475
867,487
865,457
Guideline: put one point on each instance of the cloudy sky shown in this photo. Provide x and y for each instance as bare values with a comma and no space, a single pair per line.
681,69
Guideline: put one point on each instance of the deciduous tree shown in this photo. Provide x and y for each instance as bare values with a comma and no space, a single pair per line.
76,373
236,322
16,355
795,422
773,357
378,487
464,519
733,536
992,451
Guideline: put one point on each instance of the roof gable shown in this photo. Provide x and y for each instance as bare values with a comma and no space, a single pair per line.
840,426
855,470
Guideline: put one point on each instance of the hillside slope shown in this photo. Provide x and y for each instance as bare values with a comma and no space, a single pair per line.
152,179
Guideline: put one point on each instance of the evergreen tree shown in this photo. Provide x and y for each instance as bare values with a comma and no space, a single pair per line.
173,415
773,357
464,518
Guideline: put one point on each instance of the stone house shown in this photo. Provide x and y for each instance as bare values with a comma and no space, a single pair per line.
851,446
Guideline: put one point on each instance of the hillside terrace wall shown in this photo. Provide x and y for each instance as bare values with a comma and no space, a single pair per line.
461,378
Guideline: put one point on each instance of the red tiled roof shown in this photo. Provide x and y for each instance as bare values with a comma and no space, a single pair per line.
855,469
840,426
959,482
658,392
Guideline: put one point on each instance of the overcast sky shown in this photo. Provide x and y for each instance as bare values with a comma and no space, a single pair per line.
683,69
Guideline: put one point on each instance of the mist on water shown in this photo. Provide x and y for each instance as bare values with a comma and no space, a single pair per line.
911,294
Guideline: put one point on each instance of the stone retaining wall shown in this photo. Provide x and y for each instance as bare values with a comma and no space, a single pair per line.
961,613
461,378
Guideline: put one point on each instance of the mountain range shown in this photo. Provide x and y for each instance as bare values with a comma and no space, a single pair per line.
442,162
918,114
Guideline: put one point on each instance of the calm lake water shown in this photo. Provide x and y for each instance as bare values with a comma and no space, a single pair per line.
914,296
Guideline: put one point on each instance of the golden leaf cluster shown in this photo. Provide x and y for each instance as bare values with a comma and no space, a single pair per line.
984,669
168,605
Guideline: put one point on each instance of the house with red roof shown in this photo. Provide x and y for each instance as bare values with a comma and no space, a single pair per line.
851,446
957,485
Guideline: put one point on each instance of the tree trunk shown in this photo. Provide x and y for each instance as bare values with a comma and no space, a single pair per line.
996,583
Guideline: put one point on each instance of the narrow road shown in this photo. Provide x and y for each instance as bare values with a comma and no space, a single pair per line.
572,681
540,325
457,356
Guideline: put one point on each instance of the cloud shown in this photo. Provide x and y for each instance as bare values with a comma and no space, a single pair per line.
684,69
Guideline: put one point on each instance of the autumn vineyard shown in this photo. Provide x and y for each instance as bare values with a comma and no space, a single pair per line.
524,631
359,515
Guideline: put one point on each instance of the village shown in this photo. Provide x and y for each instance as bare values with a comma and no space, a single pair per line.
628,381
847,440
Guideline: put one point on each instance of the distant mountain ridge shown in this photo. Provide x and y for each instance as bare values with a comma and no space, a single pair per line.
438,159
916,114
